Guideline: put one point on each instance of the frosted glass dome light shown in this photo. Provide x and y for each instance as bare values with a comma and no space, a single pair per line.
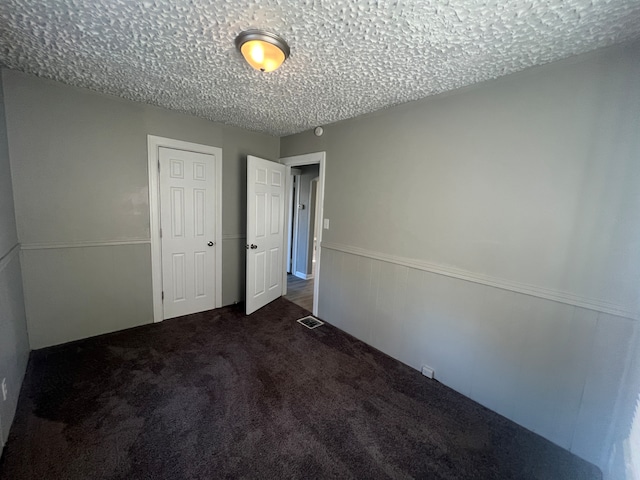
262,50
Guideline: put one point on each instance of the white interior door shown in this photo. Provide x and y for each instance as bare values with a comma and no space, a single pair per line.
265,232
187,222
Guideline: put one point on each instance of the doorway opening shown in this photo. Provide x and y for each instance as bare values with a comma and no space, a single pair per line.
305,189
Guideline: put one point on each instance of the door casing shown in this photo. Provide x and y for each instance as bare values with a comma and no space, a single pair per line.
318,158
154,143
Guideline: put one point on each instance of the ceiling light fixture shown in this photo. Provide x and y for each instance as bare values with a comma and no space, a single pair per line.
262,50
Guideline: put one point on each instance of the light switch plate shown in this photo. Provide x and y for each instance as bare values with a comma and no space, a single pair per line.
326,224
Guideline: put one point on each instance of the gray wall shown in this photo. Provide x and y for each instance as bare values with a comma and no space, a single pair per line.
493,234
305,219
79,162
14,342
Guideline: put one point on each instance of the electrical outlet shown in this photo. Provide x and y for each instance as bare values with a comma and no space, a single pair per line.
4,389
428,371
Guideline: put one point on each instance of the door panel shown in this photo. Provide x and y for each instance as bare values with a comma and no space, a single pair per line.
276,200
178,275
265,227
259,273
274,271
199,200
261,217
187,221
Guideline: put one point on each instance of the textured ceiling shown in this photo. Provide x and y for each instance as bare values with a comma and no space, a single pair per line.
347,57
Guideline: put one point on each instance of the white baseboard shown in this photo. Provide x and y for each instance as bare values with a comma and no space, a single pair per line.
303,276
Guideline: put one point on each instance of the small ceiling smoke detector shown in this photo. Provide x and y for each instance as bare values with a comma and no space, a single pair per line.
264,51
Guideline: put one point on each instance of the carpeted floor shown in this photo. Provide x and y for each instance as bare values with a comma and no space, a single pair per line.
221,395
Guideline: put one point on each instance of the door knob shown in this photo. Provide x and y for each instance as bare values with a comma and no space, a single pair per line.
211,244
253,247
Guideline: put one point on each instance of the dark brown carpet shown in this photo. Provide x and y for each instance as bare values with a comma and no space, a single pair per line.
221,395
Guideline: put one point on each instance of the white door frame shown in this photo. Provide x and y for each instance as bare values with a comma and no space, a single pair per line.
299,160
153,145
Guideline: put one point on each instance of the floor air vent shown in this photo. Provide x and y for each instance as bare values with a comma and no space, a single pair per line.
310,322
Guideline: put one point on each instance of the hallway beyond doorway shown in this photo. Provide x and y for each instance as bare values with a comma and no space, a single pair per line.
300,291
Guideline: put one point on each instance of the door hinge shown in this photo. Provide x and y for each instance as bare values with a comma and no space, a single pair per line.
162,295
160,233
158,165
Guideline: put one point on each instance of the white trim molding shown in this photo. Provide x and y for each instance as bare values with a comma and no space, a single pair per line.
597,305
111,243
319,158
154,143
303,276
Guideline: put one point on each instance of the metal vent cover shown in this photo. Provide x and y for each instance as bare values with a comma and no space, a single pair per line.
310,322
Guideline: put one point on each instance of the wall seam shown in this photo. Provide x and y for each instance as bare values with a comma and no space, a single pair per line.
584,386
7,257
